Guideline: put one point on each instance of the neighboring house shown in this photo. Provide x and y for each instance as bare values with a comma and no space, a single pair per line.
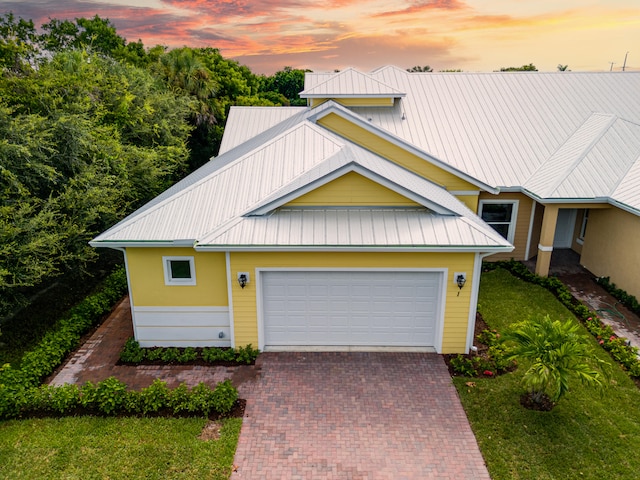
348,223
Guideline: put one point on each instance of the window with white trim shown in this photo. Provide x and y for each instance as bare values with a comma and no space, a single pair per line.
501,215
179,270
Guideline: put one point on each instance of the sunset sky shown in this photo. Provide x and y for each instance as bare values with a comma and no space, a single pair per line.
472,35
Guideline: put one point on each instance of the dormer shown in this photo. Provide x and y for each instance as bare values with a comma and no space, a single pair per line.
350,88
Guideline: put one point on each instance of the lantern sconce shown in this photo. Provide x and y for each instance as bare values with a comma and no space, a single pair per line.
460,279
243,279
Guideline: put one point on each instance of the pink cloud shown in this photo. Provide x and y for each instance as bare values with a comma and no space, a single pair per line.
423,6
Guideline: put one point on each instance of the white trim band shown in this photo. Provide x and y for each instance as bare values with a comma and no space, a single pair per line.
543,248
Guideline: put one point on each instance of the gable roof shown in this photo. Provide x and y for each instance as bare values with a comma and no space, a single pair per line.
235,201
347,83
592,163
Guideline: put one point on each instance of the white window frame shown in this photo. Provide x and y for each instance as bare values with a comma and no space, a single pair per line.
169,280
511,232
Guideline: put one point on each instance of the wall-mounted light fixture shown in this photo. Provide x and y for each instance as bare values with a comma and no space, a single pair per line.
243,279
460,278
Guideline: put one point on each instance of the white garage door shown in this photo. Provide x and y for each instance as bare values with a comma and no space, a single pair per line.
361,308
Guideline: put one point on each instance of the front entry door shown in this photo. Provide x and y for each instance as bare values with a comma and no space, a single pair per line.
564,228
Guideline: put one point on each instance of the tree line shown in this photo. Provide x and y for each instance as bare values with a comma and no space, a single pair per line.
93,126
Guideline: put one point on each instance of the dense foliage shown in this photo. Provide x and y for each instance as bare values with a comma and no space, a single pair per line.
92,127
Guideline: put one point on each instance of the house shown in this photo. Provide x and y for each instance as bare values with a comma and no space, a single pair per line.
361,221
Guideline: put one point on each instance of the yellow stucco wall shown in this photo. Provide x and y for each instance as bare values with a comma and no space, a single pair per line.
356,102
394,153
522,225
352,189
611,248
147,279
456,310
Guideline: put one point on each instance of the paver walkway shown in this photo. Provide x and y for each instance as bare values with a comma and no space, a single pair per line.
97,360
356,416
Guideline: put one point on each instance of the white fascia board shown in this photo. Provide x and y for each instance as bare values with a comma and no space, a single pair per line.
482,249
141,243
545,200
625,207
340,172
353,95
397,141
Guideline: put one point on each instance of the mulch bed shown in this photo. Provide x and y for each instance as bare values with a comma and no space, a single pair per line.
481,325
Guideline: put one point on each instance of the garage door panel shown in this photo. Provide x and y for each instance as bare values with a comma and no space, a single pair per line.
342,308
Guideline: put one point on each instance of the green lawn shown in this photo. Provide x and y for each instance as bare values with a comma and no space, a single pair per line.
115,448
590,434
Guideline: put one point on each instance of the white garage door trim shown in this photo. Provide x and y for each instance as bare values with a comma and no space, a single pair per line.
441,296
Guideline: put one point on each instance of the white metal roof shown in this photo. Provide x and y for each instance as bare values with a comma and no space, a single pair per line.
347,83
500,127
225,194
592,163
253,121
400,228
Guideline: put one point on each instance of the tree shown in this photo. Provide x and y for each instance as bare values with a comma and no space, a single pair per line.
418,69
17,43
289,82
525,68
96,34
553,353
83,141
563,68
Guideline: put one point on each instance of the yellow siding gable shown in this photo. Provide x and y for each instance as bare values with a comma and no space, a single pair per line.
386,149
356,102
352,189
146,276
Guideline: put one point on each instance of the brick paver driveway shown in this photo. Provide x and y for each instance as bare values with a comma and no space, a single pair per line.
356,416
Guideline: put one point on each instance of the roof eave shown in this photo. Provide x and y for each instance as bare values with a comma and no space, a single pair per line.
142,243
359,248
353,95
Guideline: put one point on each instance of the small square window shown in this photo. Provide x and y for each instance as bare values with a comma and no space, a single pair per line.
179,271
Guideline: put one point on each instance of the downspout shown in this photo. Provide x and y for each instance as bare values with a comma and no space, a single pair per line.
227,257
475,288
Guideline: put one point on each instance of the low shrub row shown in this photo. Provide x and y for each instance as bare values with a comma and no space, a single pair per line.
42,360
133,353
625,298
618,347
111,397
51,351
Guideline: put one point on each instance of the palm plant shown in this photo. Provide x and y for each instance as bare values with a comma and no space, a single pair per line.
555,352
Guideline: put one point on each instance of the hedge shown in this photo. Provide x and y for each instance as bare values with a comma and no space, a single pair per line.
21,393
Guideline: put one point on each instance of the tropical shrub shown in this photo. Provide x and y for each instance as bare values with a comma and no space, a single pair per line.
553,352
